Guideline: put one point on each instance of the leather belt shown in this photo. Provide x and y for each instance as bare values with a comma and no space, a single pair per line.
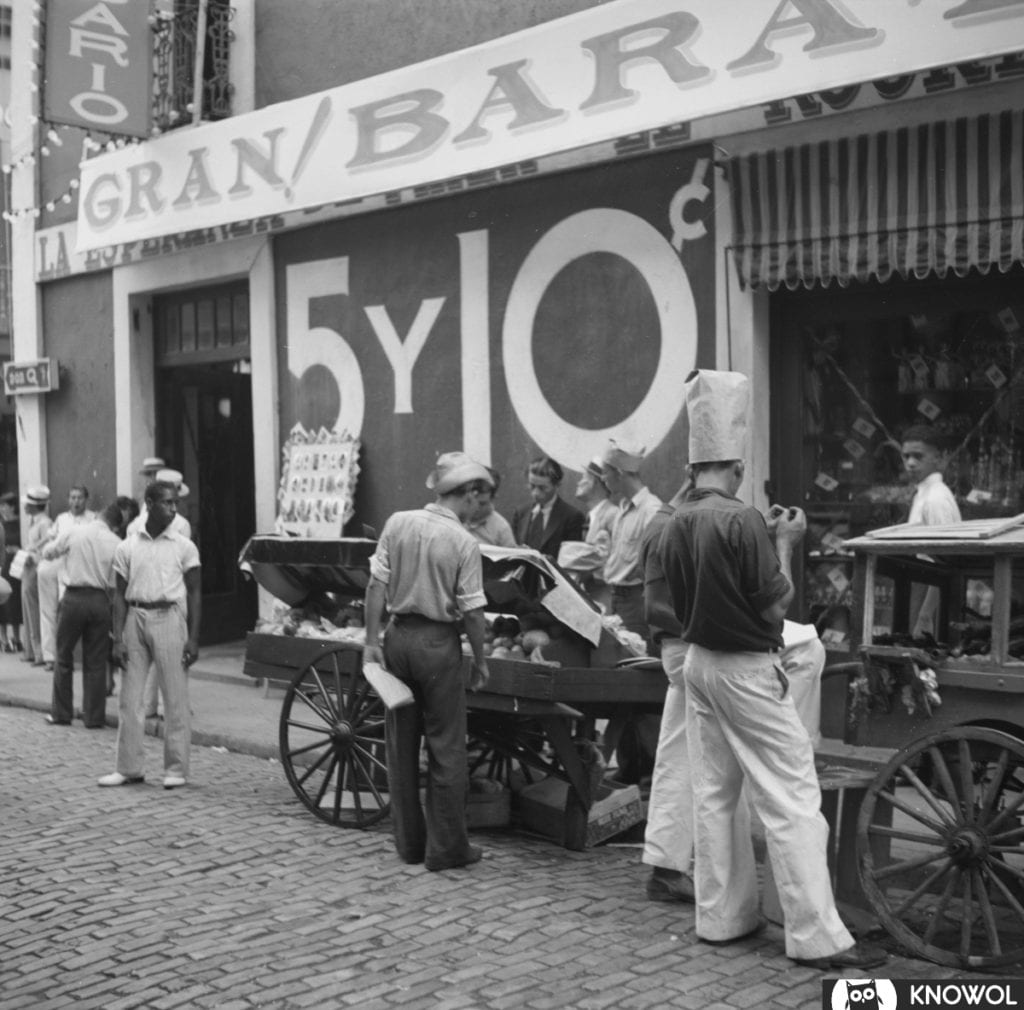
626,590
151,604
85,589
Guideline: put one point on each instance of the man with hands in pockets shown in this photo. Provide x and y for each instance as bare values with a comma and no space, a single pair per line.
427,572
730,588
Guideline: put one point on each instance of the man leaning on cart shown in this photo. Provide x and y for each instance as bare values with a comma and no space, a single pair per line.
427,572
730,591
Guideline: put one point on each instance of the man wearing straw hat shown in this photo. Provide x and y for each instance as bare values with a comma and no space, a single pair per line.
39,523
427,572
730,588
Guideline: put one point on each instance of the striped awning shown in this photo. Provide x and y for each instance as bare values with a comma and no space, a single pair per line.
913,201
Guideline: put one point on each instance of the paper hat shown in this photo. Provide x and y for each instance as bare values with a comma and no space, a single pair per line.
717,403
455,468
151,464
172,477
625,457
37,495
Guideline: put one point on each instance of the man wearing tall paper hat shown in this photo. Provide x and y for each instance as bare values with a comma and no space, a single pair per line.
427,572
730,588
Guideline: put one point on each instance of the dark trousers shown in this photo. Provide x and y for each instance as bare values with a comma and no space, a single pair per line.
633,738
428,657
83,614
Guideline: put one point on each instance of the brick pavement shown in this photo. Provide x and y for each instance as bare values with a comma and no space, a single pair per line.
228,894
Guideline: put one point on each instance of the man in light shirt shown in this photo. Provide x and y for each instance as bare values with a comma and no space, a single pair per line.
620,468
924,459
84,615
52,578
157,604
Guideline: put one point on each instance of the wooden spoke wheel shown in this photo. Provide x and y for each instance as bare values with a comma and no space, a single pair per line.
940,847
508,750
332,741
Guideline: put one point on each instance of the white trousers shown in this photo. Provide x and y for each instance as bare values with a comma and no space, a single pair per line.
741,728
49,600
668,837
154,637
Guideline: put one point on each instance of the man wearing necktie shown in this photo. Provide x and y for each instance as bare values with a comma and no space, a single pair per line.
548,520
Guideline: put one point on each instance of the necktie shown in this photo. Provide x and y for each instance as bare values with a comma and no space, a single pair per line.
535,534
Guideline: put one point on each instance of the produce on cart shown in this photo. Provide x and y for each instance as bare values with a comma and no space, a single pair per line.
554,664
940,833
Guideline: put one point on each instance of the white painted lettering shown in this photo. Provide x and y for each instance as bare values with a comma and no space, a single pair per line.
113,47
402,354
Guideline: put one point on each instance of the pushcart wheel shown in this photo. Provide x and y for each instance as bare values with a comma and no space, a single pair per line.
510,751
940,847
332,741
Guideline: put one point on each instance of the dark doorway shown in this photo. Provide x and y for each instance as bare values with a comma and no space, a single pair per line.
204,429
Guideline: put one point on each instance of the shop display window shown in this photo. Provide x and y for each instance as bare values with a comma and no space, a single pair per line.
866,364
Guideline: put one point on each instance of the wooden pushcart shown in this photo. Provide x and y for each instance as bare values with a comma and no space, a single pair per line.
526,722
940,832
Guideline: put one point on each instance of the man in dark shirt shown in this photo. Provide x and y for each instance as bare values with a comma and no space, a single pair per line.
730,590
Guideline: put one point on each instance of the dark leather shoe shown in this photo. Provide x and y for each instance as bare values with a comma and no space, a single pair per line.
669,885
860,955
50,721
474,855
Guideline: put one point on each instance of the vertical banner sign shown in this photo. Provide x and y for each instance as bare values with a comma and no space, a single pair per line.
543,317
99,65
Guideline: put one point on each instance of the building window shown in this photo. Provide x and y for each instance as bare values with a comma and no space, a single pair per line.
175,62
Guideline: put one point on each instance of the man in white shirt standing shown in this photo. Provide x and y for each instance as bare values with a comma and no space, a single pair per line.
157,604
84,615
620,468
924,459
52,578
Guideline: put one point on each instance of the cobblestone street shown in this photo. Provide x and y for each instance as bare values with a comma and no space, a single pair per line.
229,894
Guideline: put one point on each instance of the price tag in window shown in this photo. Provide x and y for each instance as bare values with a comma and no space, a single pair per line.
831,542
930,409
864,427
996,376
1008,319
825,482
854,448
833,637
838,579
978,497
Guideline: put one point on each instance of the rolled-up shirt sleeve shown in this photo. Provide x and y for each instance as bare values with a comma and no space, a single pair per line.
469,592
380,562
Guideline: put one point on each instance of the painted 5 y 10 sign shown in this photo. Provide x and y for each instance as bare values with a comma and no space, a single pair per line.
40,376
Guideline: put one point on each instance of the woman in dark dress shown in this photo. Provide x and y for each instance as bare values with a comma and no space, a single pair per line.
10,612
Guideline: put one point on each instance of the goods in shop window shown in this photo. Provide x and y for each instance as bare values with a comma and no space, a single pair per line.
318,479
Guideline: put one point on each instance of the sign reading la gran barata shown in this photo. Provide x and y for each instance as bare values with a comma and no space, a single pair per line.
620,68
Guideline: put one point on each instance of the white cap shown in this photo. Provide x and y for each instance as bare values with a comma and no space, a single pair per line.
172,477
717,404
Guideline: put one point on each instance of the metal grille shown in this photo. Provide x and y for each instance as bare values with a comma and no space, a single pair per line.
175,53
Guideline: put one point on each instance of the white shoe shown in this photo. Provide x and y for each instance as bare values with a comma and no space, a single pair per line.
174,781
117,779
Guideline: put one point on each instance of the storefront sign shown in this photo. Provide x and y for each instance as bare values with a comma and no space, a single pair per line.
42,376
99,59
541,318
613,70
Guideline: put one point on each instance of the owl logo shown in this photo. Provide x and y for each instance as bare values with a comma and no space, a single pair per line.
864,994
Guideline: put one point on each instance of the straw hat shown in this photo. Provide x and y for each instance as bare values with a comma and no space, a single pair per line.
453,469
38,494
174,477
625,457
151,464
